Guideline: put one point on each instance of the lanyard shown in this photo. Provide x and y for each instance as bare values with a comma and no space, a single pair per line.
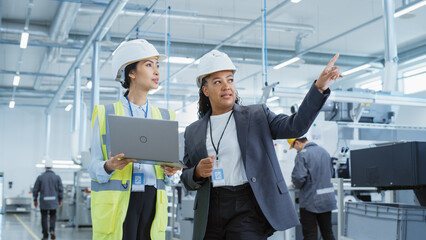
130,107
211,135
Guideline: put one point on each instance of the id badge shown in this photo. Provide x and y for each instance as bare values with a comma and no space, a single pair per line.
218,176
138,182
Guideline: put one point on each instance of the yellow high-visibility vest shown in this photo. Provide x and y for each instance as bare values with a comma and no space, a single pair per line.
109,201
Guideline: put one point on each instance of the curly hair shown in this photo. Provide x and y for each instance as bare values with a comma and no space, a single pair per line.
204,102
126,83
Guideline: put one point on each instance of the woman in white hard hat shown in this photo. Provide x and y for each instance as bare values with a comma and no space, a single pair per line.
241,192
128,199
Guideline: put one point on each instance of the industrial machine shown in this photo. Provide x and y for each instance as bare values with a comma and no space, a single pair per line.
82,199
354,112
18,204
67,211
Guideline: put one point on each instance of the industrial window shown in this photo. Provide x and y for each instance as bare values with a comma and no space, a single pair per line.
374,84
415,80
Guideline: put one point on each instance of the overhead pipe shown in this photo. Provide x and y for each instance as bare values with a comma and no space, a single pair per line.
75,135
391,52
167,92
64,19
58,32
264,45
102,26
1,16
95,75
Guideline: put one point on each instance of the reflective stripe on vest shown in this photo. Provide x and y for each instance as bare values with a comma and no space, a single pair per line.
108,210
111,185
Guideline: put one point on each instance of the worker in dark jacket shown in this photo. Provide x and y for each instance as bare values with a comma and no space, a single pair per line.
49,185
311,174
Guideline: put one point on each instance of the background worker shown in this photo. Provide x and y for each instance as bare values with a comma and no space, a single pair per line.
241,192
49,185
311,174
129,200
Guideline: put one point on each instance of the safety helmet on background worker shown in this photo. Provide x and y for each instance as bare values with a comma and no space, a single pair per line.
48,163
213,61
292,140
130,52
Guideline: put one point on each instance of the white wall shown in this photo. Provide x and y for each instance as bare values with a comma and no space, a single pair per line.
22,145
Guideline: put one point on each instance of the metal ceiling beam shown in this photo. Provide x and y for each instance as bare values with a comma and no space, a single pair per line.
102,26
213,20
391,53
241,30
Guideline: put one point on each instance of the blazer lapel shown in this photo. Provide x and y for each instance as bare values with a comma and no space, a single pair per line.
201,147
242,119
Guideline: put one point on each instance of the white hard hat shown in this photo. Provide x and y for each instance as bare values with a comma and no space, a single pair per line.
130,52
213,61
48,163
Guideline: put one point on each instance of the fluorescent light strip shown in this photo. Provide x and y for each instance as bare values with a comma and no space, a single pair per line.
60,166
155,90
288,62
68,107
357,69
16,80
180,60
11,104
24,39
271,99
295,1
409,9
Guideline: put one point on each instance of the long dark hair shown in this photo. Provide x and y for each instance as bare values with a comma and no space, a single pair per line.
204,102
126,83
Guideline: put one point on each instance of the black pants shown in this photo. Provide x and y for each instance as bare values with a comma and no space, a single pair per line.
309,222
140,214
234,214
45,228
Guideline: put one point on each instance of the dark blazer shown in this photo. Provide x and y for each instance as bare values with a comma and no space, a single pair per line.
256,126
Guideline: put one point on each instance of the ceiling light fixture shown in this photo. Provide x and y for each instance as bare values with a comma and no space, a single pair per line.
24,39
410,8
11,104
295,1
288,62
16,80
89,84
356,69
68,107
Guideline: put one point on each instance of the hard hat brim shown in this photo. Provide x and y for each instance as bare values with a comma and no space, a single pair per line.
118,77
200,78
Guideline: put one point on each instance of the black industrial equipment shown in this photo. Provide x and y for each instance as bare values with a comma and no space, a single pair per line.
395,166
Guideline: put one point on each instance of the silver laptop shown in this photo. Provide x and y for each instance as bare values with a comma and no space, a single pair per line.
150,141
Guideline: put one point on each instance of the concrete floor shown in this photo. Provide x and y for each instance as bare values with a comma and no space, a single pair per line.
27,226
